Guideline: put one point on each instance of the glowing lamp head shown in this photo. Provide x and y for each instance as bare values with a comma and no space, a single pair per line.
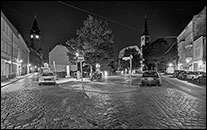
98,65
32,36
170,64
76,54
105,73
187,60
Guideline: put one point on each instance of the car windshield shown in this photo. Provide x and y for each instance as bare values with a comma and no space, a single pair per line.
47,74
150,74
191,72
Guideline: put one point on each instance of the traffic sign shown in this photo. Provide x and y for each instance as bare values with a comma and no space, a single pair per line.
126,58
81,58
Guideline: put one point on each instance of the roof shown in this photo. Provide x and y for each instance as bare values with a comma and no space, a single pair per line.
35,28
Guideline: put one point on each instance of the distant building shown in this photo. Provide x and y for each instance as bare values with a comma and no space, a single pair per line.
191,42
59,61
14,51
36,53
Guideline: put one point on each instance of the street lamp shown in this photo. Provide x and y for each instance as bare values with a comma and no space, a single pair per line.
187,60
77,54
170,64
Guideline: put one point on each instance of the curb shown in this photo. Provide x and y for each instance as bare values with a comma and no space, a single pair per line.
14,81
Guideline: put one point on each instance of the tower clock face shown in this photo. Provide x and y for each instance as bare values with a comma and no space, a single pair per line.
34,36
37,36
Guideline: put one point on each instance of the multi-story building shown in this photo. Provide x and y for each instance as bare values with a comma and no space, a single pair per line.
186,42
14,51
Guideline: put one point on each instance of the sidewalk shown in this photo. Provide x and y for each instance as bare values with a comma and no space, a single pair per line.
184,82
9,81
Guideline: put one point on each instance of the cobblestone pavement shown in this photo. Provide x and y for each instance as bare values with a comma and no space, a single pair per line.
25,105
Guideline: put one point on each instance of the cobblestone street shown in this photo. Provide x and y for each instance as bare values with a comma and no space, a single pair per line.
34,106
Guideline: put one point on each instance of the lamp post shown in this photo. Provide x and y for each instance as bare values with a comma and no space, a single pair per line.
81,58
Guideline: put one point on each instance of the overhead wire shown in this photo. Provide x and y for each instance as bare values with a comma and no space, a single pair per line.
114,21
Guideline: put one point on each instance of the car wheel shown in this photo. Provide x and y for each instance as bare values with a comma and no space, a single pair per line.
142,85
199,80
40,84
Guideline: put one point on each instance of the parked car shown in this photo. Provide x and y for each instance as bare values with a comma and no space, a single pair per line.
182,74
150,78
175,74
192,75
96,76
47,77
202,78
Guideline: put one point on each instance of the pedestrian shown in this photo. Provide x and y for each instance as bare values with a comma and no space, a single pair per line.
78,74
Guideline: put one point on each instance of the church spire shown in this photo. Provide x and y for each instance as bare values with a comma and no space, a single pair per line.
35,27
145,26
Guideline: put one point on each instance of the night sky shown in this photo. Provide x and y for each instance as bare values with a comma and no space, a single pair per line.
59,22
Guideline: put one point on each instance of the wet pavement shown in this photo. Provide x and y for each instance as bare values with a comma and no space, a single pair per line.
111,103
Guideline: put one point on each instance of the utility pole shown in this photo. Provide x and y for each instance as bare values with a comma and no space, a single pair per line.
131,69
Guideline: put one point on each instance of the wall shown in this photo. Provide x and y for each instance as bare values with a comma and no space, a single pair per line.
58,54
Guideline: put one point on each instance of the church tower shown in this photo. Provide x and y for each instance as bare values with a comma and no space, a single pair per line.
145,37
35,36
145,40
36,53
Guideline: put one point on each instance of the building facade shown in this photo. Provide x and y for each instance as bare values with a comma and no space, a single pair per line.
191,43
14,51
199,54
59,62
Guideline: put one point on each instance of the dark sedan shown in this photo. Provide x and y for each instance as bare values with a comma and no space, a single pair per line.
151,78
